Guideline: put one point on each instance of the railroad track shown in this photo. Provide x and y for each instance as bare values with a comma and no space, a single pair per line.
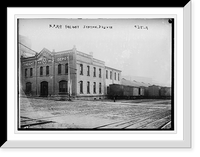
29,122
150,120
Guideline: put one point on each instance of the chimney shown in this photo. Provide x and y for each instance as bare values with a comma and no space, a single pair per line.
74,48
91,54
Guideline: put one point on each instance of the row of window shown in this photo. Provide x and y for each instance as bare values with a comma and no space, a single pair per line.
81,71
63,87
115,75
47,70
88,87
41,71
88,71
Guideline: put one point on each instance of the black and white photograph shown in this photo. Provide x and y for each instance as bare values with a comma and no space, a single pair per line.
95,74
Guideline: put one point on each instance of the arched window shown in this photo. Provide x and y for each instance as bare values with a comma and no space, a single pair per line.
47,70
99,73
66,68
28,87
88,87
41,71
63,86
31,72
94,87
26,72
88,70
94,72
59,68
81,69
99,88
106,74
81,87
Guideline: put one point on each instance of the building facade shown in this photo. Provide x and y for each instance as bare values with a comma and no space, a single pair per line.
66,73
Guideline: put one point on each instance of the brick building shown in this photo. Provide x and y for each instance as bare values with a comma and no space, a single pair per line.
64,73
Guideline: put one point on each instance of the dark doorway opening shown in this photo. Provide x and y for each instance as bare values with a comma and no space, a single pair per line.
44,89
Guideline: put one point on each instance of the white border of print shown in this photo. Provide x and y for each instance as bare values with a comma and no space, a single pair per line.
181,137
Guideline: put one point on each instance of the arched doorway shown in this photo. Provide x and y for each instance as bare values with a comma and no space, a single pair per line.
44,89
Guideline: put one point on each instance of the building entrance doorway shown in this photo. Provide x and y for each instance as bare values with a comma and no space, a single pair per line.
44,89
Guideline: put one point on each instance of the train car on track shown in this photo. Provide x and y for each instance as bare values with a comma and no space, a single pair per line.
123,91
165,92
134,90
153,91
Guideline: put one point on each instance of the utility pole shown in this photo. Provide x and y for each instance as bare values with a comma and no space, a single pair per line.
69,79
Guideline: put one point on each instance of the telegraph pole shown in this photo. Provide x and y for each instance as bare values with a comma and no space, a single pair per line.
69,79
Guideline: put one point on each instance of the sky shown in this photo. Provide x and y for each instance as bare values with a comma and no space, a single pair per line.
138,47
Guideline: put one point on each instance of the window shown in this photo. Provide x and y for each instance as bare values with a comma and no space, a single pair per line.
81,87
88,70
99,88
106,74
111,75
25,72
94,87
94,74
59,68
81,69
41,71
88,87
28,88
47,70
66,68
63,86
31,72
99,73
118,76
115,76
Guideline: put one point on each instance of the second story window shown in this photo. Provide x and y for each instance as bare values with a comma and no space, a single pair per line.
106,74
47,70
111,75
94,73
99,73
41,71
59,69
66,68
115,76
31,72
26,72
81,69
118,76
88,70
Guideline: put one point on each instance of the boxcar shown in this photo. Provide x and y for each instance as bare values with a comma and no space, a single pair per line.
153,91
122,91
116,90
136,91
165,92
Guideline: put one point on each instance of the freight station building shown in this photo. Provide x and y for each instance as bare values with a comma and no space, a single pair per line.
66,73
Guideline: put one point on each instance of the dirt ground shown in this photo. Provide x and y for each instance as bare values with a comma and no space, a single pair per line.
104,114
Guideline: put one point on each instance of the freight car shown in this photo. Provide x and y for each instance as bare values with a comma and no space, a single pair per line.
125,92
165,92
119,91
153,91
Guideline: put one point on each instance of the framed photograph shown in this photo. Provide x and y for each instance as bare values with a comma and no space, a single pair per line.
99,77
